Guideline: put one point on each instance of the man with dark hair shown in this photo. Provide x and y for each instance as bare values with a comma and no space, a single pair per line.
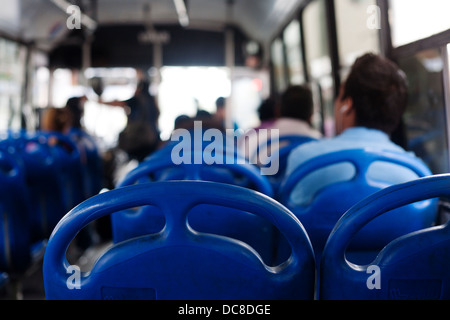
369,108
219,119
295,117
267,113
297,103
375,95
296,111
75,108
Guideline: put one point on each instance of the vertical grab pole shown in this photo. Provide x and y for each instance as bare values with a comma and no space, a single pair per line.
230,63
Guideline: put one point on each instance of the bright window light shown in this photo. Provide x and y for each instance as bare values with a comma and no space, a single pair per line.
413,20
185,90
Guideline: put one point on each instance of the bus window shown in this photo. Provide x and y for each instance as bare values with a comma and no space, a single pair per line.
292,40
357,30
316,38
12,72
277,52
100,120
425,123
404,19
319,62
65,85
186,90
250,87
41,87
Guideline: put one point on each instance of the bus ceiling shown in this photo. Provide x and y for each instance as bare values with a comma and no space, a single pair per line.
124,32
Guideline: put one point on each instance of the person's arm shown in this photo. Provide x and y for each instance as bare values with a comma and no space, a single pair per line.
116,103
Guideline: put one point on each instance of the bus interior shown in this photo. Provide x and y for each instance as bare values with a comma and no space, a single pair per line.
192,52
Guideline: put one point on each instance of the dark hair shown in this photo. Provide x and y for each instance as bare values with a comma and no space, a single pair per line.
297,102
75,108
183,121
378,89
266,109
74,104
220,103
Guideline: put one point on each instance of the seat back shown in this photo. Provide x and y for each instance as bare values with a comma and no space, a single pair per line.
330,203
414,266
15,241
244,226
68,163
52,167
285,145
178,262
91,161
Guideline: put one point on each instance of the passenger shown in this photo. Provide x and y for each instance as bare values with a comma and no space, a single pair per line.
54,120
296,111
368,109
183,122
75,111
267,112
64,119
68,122
209,121
141,135
221,109
220,116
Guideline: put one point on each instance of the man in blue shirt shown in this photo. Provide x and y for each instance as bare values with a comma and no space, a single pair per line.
367,111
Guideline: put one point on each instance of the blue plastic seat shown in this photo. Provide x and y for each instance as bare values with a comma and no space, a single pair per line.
285,146
178,262
91,162
225,168
291,141
68,164
15,240
52,170
207,218
415,266
200,152
332,201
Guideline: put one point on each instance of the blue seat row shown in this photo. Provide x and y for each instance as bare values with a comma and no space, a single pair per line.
414,266
318,217
91,161
284,145
181,263
42,179
246,227
270,245
331,201
15,253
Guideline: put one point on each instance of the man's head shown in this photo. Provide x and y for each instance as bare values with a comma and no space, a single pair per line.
297,103
220,108
373,96
75,110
